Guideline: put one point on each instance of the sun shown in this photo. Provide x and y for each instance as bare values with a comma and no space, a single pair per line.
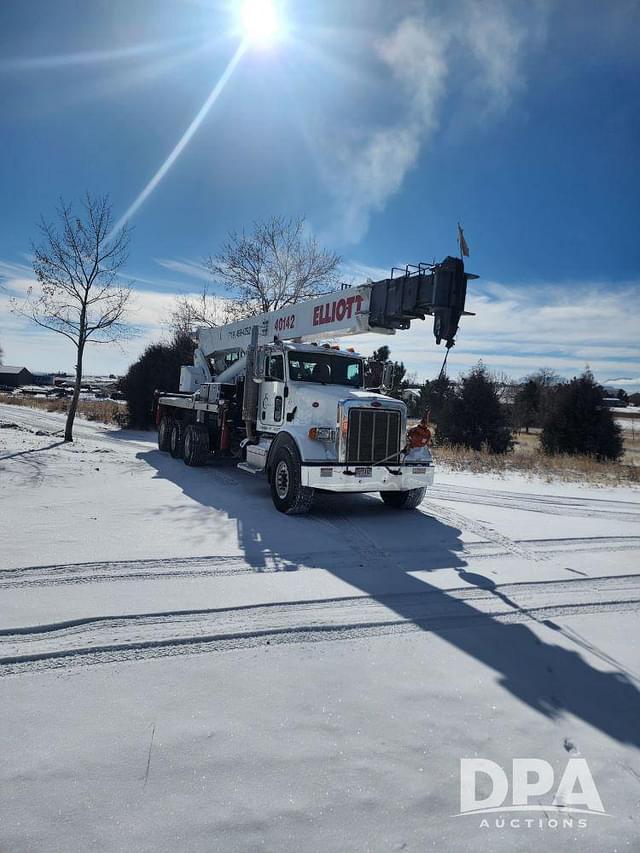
259,20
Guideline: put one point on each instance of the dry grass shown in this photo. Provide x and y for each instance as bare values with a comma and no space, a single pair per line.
528,458
533,462
531,443
101,411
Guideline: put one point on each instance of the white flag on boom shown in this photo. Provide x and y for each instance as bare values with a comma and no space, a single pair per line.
464,248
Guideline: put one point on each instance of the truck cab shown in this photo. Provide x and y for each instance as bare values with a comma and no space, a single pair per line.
343,437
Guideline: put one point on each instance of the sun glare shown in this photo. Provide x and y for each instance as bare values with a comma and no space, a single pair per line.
259,21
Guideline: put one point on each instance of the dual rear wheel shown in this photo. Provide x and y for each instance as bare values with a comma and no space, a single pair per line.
164,434
189,442
196,445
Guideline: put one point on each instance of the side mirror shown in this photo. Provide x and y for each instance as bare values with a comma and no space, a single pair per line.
388,375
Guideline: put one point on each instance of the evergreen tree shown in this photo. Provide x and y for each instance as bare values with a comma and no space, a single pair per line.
527,405
474,416
381,355
157,368
399,371
436,395
578,422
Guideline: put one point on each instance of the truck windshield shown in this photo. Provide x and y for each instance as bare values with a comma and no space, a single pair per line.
325,368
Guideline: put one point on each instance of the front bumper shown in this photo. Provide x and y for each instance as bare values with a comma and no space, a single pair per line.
349,478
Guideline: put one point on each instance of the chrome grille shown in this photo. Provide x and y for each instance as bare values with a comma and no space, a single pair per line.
373,436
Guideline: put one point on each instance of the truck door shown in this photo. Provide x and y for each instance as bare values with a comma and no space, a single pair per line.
271,408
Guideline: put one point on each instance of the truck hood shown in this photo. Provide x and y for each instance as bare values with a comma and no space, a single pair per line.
317,405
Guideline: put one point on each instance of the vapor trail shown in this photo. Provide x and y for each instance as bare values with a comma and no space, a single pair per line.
183,141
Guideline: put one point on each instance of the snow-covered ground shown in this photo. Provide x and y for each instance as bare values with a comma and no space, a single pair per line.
185,669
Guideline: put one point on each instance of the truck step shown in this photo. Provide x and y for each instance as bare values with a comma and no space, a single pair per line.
251,469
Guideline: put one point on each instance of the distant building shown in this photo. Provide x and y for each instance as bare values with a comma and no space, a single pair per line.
13,377
43,378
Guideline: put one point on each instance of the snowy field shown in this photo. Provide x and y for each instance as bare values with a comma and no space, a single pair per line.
184,669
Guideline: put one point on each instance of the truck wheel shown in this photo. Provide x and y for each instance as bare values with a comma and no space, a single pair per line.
288,494
404,500
196,445
176,439
164,434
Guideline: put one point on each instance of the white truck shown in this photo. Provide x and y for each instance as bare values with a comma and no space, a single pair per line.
268,393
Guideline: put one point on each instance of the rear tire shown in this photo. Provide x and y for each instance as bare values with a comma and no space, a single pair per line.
176,439
404,500
287,492
196,445
164,434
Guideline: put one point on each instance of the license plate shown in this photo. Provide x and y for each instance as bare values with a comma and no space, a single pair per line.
363,472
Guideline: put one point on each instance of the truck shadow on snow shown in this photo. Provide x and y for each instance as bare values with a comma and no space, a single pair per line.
353,538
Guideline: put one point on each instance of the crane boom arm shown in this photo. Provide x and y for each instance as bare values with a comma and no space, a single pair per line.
345,312
384,306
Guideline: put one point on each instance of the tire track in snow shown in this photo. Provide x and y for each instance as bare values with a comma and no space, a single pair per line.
213,565
117,638
370,552
374,554
548,504
484,531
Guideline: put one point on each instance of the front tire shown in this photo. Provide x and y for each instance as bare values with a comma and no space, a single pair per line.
196,445
287,492
176,439
404,500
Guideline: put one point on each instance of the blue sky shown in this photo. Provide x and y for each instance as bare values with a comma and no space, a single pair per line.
384,123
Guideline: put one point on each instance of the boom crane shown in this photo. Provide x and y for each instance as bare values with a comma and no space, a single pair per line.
383,307
264,392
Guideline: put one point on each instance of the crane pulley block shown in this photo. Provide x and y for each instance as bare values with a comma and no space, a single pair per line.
438,289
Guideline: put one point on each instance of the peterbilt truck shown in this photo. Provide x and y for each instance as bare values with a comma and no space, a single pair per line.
277,395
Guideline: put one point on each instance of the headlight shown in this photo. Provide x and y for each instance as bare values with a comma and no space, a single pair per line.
322,434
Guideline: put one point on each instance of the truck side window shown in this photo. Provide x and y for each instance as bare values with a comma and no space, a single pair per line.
353,374
275,368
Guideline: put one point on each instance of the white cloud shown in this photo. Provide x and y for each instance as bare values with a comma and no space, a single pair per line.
517,330
424,58
371,164
495,40
191,269
15,278
354,272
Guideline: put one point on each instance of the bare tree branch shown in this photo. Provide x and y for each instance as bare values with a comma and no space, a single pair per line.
189,312
273,266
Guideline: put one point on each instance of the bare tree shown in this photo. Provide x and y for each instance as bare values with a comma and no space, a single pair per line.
77,264
273,266
205,309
